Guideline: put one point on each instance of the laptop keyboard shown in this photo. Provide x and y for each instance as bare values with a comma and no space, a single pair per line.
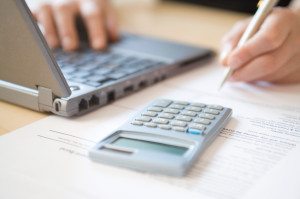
99,68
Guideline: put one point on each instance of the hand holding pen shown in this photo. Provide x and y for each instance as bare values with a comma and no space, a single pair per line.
271,53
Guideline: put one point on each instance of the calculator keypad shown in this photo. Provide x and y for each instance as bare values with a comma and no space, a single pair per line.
151,125
144,119
166,116
160,121
138,123
211,111
179,123
162,103
155,109
150,114
179,116
165,127
177,106
172,111
202,121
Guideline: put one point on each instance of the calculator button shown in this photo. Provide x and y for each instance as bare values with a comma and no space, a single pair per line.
151,125
197,126
162,103
216,107
202,121
170,110
180,129
193,108
177,106
150,114
160,121
137,123
195,131
184,118
207,116
155,109
178,123
211,111
189,113
181,103
166,116
198,105
143,119
165,127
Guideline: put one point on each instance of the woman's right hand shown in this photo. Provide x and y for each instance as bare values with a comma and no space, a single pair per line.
272,54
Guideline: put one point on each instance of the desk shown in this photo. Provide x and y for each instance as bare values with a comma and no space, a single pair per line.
184,23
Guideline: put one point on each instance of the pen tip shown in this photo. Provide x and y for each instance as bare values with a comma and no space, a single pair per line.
222,83
228,72
221,86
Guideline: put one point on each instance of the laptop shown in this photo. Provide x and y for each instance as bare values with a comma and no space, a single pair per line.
69,84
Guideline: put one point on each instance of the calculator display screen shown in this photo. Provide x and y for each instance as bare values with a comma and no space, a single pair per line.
150,146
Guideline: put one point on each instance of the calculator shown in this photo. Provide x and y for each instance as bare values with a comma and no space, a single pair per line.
166,137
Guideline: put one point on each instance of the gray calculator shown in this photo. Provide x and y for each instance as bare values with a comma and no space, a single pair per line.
166,137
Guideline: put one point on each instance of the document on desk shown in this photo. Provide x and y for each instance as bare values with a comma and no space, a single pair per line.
48,159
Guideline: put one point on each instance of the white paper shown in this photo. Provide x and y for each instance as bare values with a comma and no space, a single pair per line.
48,159
282,182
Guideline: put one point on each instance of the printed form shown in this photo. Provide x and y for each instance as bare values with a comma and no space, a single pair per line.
48,159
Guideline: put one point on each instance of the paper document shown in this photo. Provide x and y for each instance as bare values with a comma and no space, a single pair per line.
48,159
282,182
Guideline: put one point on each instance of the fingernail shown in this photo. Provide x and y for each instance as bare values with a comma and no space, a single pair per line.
98,43
52,41
224,53
67,42
233,78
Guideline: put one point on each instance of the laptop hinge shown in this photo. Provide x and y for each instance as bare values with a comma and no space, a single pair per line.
45,98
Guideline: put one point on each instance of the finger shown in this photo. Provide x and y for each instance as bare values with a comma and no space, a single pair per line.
93,15
266,64
267,39
34,15
231,39
290,73
111,22
45,17
64,14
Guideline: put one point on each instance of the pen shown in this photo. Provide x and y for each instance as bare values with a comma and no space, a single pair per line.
264,8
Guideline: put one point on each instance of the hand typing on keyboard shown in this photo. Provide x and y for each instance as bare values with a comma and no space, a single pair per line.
58,21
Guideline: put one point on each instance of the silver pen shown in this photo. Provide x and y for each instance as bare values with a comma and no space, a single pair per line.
264,8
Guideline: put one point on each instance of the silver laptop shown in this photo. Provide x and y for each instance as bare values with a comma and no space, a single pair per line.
67,84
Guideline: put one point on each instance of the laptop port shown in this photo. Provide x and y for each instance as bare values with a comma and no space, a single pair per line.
83,105
111,96
142,84
156,80
94,101
57,106
128,89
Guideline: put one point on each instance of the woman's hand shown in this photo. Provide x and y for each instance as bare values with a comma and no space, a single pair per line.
272,54
59,27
